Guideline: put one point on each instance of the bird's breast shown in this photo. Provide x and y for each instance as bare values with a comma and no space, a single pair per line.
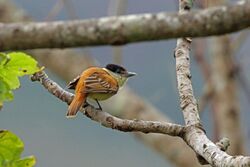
100,96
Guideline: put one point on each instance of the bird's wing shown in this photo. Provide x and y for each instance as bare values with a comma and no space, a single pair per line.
101,82
72,84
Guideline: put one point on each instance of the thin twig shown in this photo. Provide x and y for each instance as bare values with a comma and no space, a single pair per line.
54,11
68,4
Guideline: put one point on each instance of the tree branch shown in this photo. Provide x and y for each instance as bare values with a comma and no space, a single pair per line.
125,29
105,118
195,136
128,104
187,100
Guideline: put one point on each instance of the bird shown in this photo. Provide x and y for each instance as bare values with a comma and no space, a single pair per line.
96,83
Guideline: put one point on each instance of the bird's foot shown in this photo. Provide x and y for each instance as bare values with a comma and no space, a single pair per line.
86,104
100,108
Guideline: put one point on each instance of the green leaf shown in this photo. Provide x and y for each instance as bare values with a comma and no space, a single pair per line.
16,64
4,58
22,64
26,162
11,148
12,66
5,93
10,78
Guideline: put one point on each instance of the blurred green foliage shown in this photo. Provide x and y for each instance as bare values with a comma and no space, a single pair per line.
11,148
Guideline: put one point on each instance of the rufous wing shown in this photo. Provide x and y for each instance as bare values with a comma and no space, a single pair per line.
101,82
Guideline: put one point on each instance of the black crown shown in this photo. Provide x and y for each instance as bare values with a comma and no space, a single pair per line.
116,68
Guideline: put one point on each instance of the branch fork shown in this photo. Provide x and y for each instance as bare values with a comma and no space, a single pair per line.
187,133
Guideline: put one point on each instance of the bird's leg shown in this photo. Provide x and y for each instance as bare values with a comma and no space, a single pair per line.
86,104
100,108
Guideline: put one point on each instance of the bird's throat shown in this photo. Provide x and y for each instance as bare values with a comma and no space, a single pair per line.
120,80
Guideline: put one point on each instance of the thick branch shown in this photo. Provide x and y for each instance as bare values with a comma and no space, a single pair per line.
105,118
125,29
212,153
195,136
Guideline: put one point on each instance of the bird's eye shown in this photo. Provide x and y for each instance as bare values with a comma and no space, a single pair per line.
118,71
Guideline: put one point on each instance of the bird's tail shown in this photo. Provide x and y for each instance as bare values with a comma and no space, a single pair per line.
75,105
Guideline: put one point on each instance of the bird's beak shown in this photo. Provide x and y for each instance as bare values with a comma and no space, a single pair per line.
130,74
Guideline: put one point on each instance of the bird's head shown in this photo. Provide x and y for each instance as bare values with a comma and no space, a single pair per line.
120,73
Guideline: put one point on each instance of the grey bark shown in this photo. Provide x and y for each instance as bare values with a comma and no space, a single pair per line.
195,135
125,29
